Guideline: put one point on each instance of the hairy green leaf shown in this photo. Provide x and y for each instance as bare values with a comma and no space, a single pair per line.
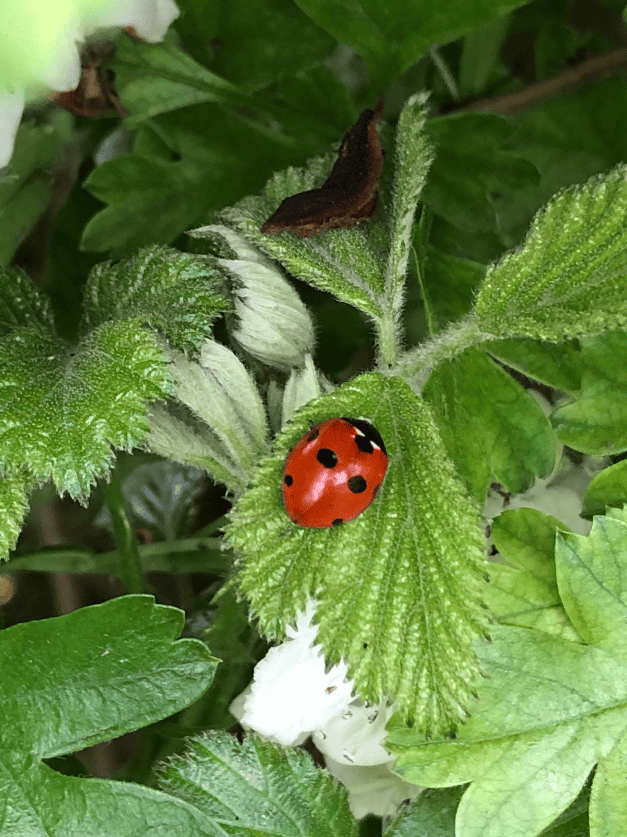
21,304
174,292
399,587
569,278
13,508
63,407
257,788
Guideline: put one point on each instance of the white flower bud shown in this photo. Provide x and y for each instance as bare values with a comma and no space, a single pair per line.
274,325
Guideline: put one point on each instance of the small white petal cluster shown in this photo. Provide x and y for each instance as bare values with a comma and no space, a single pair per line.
293,696
47,58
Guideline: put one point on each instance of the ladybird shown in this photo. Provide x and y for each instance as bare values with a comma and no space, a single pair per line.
333,473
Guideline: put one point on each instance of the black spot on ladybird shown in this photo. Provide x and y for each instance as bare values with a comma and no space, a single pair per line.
337,522
327,457
357,484
288,480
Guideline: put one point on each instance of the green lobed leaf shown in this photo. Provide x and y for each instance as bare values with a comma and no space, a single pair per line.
479,62
431,815
156,78
96,674
37,802
551,708
256,43
607,489
172,291
556,365
596,421
490,425
257,788
480,143
75,680
568,278
526,594
591,571
21,304
63,407
399,587
13,508
395,35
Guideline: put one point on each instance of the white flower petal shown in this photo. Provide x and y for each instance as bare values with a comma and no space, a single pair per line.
11,108
357,735
292,694
149,18
373,790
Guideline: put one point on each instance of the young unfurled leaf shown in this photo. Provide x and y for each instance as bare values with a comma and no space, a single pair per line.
399,587
173,292
551,709
569,278
63,407
258,788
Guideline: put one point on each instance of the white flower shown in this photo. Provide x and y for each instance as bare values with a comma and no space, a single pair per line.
292,697
373,790
292,694
40,42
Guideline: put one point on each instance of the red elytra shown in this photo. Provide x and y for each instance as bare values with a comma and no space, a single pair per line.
349,194
333,473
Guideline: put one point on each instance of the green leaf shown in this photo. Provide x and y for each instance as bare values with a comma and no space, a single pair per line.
257,788
608,803
410,566
596,422
63,407
526,594
431,815
607,489
145,202
96,674
25,193
192,555
480,143
591,571
414,155
568,278
83,678
21,304
479,60
13,508
490,424
174,292
255,42
161,497
551,708
156,78
394,36
553,364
